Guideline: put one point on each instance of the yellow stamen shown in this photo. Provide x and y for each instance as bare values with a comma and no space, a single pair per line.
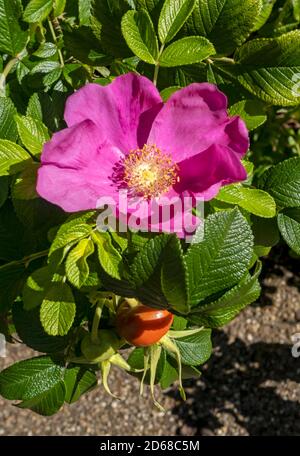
149,172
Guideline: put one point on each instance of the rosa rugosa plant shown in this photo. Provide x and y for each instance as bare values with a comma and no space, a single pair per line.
189,114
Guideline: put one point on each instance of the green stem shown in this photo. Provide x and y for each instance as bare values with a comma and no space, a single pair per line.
96,321
222,59
61,58
7,69
26,260
157,66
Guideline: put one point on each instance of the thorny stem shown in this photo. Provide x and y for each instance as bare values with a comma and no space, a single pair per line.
157,66
26,260
61,58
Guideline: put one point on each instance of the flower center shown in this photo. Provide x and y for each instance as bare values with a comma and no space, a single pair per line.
149,172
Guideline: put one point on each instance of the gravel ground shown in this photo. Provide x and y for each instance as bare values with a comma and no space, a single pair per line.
250,386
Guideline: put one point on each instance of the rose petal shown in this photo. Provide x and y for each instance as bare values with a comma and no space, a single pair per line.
192,120
206,172
116,108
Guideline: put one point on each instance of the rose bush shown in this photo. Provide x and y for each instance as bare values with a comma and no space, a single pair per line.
173,103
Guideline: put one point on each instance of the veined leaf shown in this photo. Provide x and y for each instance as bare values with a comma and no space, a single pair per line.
8,128
77,268
33,133
189,50
173,15
37,10
289,226
12,158
139,33
12,38
251,111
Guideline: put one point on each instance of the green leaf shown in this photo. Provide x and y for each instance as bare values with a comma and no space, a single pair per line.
58,310
8,128
226,23
222,258
269,68
46,50
37,10
77,227
166,93
289,226
12,158
85,11
173,276
59,7
265,12
251,111
24,186
189,50
36,287
77,268
12,38
283,182
30,378
109,257
78,381
33,133
296,6
34,108
32,334
139,33
253,200
225,309
38,382
173,15
48,403
196,348
265,231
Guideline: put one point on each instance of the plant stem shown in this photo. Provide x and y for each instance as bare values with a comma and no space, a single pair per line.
61,58
96,321
157,66
26,260
7,69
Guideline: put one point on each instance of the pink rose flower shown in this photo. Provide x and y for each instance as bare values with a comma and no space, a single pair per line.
123,137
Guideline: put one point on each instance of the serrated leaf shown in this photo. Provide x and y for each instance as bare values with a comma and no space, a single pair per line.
31,332
36,287
13,158
33,133
173,276
46,50
74,229
282,181
47,403
289,226
34,108
8,128
138,31
78,381
269,68
12,38
222,258
58,310
77,268
196,348
251,111
37,10
85,11
226,23
30,378
173,15
223,310
109,257
189,50
265,12
253,200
